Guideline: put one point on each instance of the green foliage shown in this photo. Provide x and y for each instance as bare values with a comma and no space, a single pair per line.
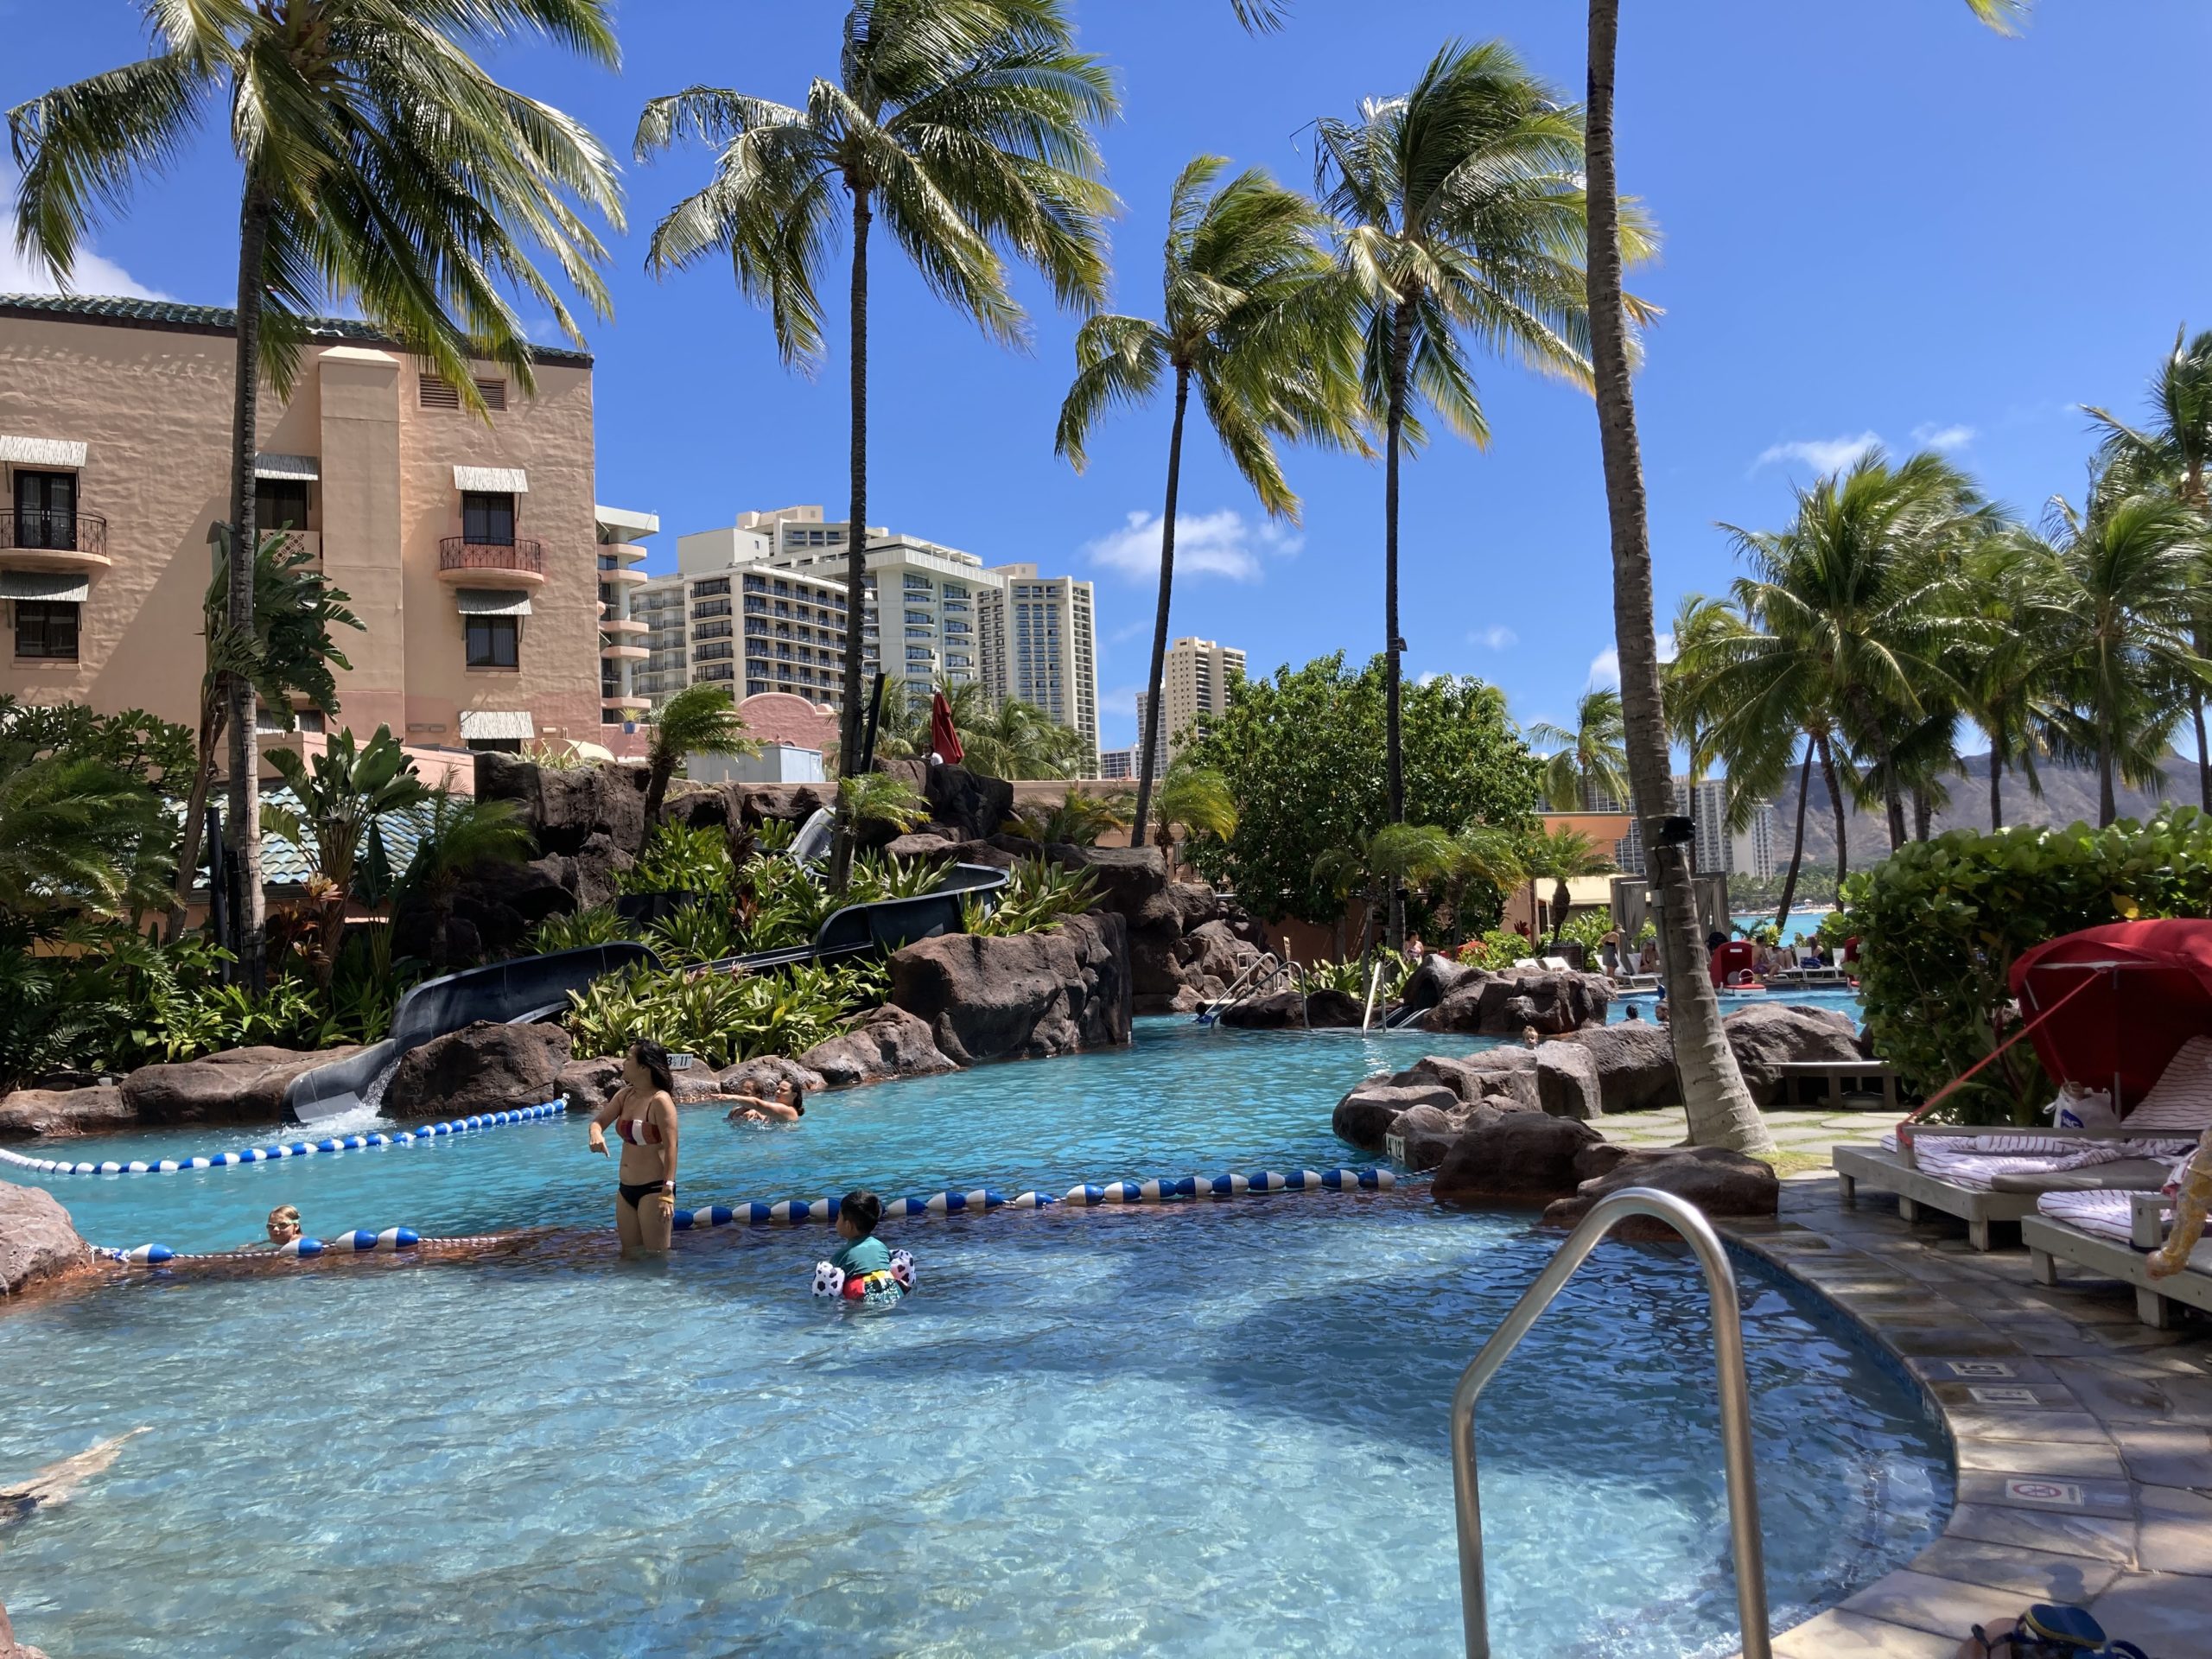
678,859
788,903
557,756
600,924
878,798
1941,922
1351,976
720,1017
1076,820
1039,895
701,718
1816,885
1302,754
695,934
877,879
140,746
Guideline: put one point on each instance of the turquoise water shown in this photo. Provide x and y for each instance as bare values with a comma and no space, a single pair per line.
1216,1429
1802,923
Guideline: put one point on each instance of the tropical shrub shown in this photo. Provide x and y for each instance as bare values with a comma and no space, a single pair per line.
1941,922
877,879
695,934
1351,976
678,859
787,904
722,1018
1075,820
1039,895
597,924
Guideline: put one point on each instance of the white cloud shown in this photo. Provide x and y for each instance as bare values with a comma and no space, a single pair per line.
1496,636
1210,544
1121,700
22,273
1929,436
1821,454
1605,670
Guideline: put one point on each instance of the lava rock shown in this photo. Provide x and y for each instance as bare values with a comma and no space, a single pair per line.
1480,1076
60,1112
238,1085
1768,1035
889,1043
1718,1182
565,807
761,1074
1436,978
970,805
1021,996
36,1239
485,1067
1290,1011
1504,1005
1635,1065
1426,1135
1365,1116
918,846
1567,1081
586,1086
1524,1159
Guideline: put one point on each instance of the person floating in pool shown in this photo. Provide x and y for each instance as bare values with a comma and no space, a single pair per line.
283,1229
643,1114
867,1262
785,1103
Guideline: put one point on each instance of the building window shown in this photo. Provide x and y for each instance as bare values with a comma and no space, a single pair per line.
718,672
494,642
496,745
711,607
711,588
756,584
280,504
487,519
720,652
46,629
46,509
712,630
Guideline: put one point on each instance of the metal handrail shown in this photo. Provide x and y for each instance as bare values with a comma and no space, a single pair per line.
1229,997
518,558
1735,1406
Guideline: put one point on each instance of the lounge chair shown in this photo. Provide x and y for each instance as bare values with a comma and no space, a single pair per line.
2110,1234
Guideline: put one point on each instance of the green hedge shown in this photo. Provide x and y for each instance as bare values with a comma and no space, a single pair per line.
1941,922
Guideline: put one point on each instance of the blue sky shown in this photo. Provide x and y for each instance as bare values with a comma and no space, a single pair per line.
1881,221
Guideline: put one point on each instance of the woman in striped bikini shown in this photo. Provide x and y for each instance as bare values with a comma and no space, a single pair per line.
643,1115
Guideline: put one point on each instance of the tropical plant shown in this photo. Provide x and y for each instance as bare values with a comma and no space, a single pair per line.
1003,737
557,756
1718,1107
458,834
869,798
679,858
1460,213
701,718
1076,819
1589,760
77,835
695,934
1252,315
1563,856
1386,860
1039,895
1198,798
968,127
342,796
720,1017
383,169
875,878
787,905
578,929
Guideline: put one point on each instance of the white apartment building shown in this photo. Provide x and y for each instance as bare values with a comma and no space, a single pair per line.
1117,766
726,617
1039,643
1194,685
623,647
1758,851
1717,852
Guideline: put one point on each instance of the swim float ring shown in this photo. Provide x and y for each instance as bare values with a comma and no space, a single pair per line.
883,1289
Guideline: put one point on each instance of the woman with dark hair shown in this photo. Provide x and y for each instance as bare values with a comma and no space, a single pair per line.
643,1113
785,1103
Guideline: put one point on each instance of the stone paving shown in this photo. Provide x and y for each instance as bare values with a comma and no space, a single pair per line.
1811,1133
2083,1437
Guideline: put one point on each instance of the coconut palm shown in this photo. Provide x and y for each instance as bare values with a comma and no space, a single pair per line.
1077,819
701,718
1563,855
1200,800
1588,761
1460,213
967,127
342,795
74,835
1250,315
382,169
866,798
1374,866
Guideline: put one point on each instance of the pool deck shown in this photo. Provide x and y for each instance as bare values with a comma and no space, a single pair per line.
2083,1437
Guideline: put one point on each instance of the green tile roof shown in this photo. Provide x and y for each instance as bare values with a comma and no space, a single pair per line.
124,311
284,866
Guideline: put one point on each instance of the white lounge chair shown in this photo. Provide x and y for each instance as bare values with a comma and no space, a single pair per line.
2111,1234
1999,1175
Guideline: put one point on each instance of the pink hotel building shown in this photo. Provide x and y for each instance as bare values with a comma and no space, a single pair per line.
495,593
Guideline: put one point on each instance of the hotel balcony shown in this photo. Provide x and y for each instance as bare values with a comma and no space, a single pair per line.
623,625
489,564
73,544
612,568
610,653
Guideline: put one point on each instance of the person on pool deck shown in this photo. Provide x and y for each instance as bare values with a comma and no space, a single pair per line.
858,1214
643,1113
283,1228
786,1105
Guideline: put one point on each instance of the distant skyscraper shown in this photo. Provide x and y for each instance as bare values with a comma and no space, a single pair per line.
1039,644
1117,766
1195,682
1706,804
1756,852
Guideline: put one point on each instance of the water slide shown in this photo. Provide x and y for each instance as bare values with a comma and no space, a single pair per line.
532,988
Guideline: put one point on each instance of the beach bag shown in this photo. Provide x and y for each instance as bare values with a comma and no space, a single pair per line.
2049,1632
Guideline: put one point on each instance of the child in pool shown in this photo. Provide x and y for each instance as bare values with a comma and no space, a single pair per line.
283,1228
785,1104
864,1259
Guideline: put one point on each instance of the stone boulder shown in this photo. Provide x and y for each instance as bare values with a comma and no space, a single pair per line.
1436,978
566,807
1023,997
1477,1077
1365,1116
1505,1005
1720,1183
485,1067
971,806
889,1043
1132,883
36,1240
11,1648
1567,1081
1520,1160
30,1112
1768,1035
791,803
920,845
1212,949
763,1072
1635,1065
586,1086
239,1085
1290,1011
1425,1135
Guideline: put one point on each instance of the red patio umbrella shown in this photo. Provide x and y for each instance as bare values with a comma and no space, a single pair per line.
2133,993
943,739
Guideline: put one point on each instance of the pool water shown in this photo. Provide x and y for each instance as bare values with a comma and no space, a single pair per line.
1214,1429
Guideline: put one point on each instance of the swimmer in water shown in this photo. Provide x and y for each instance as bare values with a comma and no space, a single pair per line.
643,1114
786,1104
283,1227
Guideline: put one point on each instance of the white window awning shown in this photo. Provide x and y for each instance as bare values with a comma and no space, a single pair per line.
493,480
491,601
41,452
477,723
43,584
275,465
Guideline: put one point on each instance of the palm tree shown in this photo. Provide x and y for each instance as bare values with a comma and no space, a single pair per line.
1075,820
74,835
1720,1109
1200,800
341,796
2173,451
701,718
1562,855
459,833
878,798
382,169
968,126
1381,862
2008,678
1248,315
1590,760
1460,214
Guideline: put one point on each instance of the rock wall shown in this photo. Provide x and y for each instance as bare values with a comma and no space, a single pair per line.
1505,1005
30,1112
36,1239
485,1067
1022,996
239,1086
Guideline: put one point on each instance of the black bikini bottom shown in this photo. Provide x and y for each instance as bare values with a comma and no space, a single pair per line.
634,1192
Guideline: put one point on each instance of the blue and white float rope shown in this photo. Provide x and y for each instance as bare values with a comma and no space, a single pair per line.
360,1243
296,1149
1086,1196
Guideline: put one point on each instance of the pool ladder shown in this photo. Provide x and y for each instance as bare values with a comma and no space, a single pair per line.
1735,1406
1264,971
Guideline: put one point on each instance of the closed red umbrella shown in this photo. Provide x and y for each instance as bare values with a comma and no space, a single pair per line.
943,739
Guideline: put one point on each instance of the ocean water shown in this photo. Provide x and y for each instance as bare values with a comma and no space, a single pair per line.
1217,1428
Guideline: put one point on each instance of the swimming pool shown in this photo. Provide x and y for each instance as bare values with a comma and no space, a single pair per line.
1219,1428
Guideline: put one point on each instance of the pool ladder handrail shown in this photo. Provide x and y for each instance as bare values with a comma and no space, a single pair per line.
1735,1406
1230,997
1281,969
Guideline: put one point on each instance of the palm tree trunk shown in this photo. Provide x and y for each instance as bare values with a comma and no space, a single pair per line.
211,716
245,757
1996,788
1719,1107
1401,342
1835,805
1797,852
2107,805
1156,679
1923,814
2201,644
849,726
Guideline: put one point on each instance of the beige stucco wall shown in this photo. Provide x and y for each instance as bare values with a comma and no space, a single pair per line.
153,408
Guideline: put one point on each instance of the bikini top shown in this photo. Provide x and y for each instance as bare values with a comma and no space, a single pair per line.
637,1131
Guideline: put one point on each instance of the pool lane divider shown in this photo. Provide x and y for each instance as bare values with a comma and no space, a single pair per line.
296,1149
792,1212
362,1242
